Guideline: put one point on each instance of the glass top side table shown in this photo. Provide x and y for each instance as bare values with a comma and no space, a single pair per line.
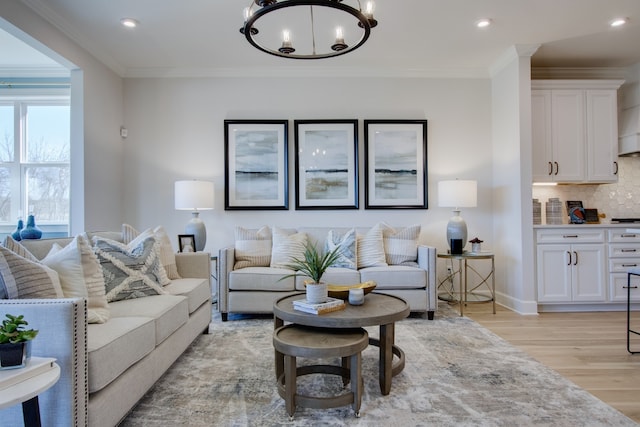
465,295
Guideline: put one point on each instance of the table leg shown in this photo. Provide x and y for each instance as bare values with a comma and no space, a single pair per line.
387,338
463,293
31,412
279,357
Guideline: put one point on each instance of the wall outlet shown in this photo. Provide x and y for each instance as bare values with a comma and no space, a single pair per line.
449,271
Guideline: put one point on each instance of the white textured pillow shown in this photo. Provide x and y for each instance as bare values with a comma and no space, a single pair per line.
401,245
347,245
252,247
371,248
23,278
286,247
167,255
80,276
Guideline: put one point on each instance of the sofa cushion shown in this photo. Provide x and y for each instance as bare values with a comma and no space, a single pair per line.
23,278
347,244
116,345
80,276
130,271
395,277
168,311
401,245
262,279
167,255
197,291
286,247
370,248
252,247
334,276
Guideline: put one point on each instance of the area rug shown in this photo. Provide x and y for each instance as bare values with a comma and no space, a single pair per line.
457,374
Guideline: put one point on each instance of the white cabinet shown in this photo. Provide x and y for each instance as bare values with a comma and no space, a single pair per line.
624,253
569,269
574,130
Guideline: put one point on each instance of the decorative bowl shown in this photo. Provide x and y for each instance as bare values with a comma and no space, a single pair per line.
342,291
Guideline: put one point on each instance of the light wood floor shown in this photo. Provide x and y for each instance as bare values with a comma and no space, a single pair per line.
587,348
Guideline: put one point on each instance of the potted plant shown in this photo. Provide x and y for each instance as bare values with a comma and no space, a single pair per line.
314,265
15,342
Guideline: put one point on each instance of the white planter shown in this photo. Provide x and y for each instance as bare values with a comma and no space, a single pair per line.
317,293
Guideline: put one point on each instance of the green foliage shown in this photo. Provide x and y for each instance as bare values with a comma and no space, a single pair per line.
314,264
13,331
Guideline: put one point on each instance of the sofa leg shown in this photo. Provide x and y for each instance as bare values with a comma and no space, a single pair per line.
224,316
430,315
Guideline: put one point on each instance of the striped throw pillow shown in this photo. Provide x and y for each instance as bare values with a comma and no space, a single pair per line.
252,247
27,279
401,245
286,247
371,248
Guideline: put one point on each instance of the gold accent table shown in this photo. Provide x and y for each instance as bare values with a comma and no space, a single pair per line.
464,295
378,310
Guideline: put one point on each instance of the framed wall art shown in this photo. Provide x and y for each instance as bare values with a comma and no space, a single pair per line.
256,164
187,242
395,164
326,164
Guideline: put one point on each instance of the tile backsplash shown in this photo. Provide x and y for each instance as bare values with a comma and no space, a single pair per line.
621,199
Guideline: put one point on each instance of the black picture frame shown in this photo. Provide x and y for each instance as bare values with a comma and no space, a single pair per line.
251,143
326,164
395,154
186,241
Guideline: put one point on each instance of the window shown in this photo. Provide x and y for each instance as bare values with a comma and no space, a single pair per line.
34,161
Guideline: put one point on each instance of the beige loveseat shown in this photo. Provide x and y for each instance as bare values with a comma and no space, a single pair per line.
107,367
244,287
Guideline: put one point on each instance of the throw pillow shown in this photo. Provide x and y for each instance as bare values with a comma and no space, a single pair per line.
371,248
129,271
347,245
23,278
80,276
15,247
252,247
167,255
286,247
401,245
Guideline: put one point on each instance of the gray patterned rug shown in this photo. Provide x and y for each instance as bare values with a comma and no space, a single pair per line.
457,374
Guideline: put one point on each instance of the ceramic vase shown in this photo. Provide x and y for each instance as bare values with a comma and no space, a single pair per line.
16,234
317,293
31,231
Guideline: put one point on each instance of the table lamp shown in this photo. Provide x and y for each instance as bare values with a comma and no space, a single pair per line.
457,194
195,196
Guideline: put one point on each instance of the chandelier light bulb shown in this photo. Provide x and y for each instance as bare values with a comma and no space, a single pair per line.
246,13
369,9
339,43
286,43
286,36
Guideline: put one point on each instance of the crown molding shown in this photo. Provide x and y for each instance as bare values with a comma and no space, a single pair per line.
542,73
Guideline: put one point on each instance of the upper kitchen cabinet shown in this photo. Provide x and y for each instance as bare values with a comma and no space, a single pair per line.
575,130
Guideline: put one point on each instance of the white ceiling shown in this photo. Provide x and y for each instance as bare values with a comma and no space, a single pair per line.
413,38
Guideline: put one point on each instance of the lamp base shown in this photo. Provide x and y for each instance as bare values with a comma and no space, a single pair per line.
197,228
456,229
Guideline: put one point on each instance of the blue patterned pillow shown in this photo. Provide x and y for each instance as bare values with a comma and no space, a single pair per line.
347,244
129,271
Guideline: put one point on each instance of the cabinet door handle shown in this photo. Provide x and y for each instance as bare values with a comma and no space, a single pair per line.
616,170
629,265
550,169
569,253
570,236
627,250
628,235
557,168
576,260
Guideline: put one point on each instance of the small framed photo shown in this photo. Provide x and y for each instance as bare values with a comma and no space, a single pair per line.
187,242
326,156
395,164
256,165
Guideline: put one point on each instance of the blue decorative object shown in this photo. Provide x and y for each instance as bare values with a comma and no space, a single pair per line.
31,231
16,234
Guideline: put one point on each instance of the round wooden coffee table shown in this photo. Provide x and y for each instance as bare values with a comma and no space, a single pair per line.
378,309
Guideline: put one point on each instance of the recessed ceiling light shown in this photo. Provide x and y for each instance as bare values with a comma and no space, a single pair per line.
618,22
483,23
129,22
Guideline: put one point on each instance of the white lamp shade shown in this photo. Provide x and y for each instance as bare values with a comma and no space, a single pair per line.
458,193
194,195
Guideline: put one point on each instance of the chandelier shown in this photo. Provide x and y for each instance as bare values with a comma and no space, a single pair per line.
308,29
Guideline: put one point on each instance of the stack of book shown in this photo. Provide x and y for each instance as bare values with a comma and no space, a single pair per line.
331,304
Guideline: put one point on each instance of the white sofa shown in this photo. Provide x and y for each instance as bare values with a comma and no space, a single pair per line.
106,368
254,289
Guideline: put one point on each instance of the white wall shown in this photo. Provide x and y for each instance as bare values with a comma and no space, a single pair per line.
96,127
176,131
